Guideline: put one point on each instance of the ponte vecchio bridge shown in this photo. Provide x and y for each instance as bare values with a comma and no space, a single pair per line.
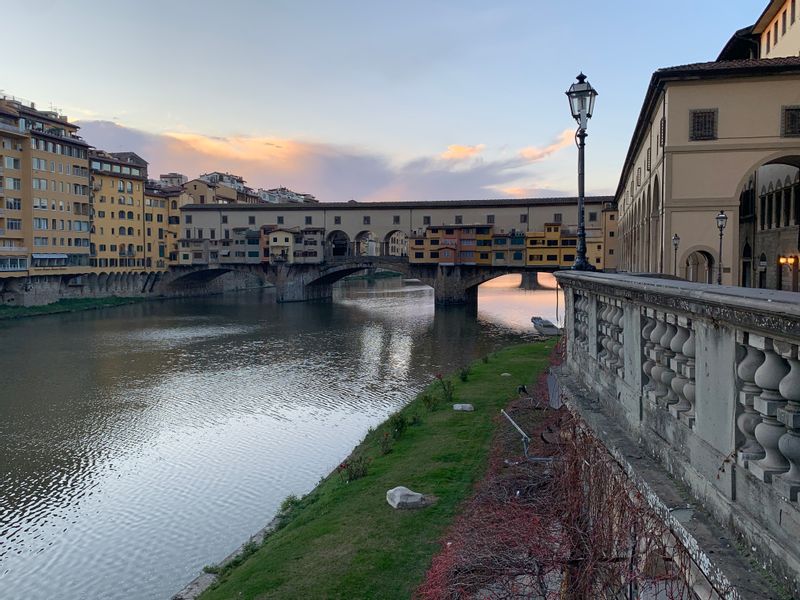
453,246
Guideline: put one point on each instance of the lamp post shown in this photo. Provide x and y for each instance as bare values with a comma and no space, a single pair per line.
581,97
676,240
722,220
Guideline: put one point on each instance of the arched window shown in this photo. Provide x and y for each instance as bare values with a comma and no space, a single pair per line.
122,214
121,231
130,230
130,215
174,205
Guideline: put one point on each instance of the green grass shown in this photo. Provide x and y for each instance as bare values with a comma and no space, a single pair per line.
62,306
344,541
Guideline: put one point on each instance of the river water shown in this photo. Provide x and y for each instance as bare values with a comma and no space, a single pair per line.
139,443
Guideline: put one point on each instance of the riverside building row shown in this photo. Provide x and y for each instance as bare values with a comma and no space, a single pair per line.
67,208
517,233
720,136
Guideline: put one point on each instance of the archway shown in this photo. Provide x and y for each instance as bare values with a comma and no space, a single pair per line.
367,244
395,244
338,243
700,267
769,221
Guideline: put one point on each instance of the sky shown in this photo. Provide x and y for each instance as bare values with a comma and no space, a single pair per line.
371,100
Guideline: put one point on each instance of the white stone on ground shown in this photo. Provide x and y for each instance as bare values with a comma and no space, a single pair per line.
463,407
402,497
505,374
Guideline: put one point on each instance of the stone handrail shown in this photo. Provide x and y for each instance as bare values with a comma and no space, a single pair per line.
707,378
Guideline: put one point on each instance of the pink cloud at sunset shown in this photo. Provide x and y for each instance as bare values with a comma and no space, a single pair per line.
459,152
333,172
533,153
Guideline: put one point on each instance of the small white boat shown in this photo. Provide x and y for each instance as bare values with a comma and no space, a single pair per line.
544,327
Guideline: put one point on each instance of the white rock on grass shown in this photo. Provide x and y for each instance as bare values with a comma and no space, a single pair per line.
505,374
402,497
464,407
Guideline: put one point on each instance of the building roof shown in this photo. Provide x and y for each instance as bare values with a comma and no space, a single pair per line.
487,203
724,69
772,9
742,45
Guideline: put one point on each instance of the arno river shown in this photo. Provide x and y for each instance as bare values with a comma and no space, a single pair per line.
139,443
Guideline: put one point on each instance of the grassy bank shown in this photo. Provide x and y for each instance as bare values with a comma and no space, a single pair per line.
344,541
63,306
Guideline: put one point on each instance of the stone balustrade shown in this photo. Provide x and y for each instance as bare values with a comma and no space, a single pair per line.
707,379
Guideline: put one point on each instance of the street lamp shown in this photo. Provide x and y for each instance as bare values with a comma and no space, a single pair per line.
581,97
722,220
676,240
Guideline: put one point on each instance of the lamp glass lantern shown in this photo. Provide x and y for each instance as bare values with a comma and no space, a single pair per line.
722,220
581,97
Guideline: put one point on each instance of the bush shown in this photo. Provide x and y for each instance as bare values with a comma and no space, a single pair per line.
431,403
416,420
485,359
463,374
386,443
353,468
398,425
448,389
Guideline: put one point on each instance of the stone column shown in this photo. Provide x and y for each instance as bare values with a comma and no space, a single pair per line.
688,350
677,363
659,390
667,354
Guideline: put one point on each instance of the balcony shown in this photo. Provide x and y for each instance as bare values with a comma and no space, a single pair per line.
13,250
705,379
11,128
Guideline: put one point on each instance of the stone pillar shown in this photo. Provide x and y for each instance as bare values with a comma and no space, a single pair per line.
530,281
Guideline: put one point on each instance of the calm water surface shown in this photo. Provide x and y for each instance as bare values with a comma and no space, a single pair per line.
138,444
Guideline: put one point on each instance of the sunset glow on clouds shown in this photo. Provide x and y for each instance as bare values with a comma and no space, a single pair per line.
459,152
337,172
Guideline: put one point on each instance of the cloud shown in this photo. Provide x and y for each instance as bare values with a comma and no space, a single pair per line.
459,152
329,171
533,153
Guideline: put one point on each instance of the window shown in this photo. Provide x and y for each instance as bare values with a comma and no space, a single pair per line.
790,121
649,156
426,220
252,220
517,255
523,218
280,220
419,255
768,42
794,12
14,224
459,219
499,255
662,132
783,23
337,220
703,124
13,204
490,219
638,176
557,217
308,220
568,257
187,219
535,257
224,218
396,220
592,217
552,257
11,162
484,255
610,234
775,33
434,255
366,220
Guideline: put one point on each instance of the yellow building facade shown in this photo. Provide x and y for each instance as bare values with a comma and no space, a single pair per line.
118,224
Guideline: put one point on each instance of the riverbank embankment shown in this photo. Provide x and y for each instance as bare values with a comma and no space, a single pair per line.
66,305
343,540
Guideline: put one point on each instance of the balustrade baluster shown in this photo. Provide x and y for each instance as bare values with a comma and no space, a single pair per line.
667,354
789,444
679,381
657,354
648,362
750,450
688,351
768,377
